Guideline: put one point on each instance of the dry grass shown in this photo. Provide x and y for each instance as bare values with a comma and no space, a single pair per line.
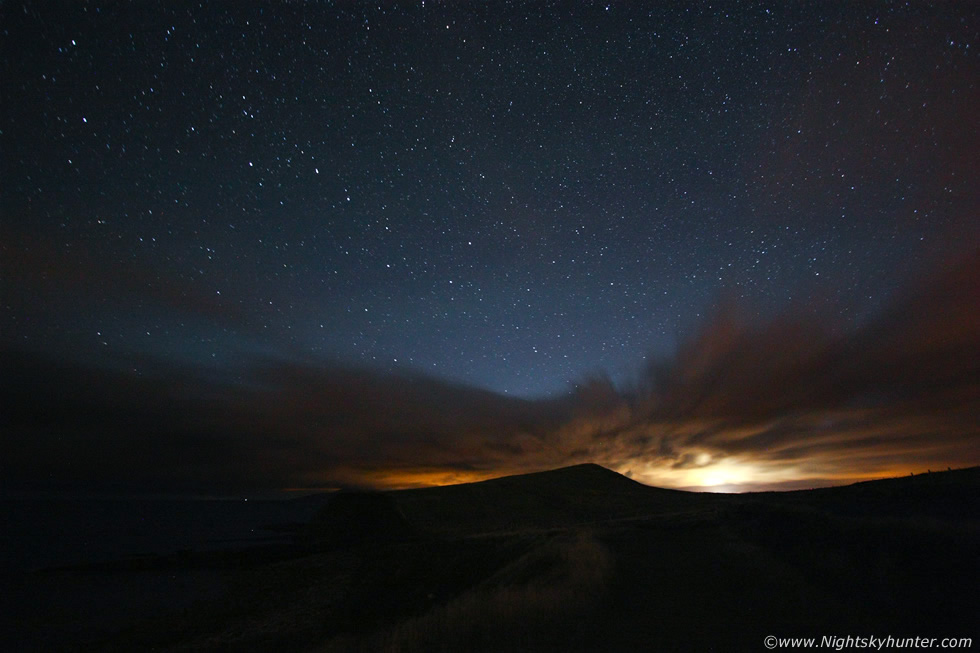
540,598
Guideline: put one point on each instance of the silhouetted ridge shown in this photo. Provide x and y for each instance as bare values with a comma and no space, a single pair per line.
351,517
556,498
584,472
953,494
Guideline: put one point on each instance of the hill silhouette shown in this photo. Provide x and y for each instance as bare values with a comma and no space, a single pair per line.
350,518
948,495
579,558
579,494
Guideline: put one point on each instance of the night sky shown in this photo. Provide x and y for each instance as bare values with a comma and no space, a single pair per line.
269,245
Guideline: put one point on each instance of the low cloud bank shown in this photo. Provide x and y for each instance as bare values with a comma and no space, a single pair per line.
793,402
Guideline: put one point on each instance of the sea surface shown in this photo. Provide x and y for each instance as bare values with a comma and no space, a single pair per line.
49,532
56,597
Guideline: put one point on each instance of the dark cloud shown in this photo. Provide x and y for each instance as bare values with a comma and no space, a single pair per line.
899,390
924,346
788,403
269,424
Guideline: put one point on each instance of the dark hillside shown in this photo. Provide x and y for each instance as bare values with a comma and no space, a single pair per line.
563,497
575,559
948,495
350,518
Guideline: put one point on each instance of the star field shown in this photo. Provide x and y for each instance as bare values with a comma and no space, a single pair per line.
508,195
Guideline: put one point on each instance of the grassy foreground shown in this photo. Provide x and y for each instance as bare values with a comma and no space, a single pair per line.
578,559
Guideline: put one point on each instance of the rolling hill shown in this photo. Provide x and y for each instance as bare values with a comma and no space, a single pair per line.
577,559
581,494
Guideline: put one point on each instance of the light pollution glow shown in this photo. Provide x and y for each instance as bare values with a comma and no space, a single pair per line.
783,405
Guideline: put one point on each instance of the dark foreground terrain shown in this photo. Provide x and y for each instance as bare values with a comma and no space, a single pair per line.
577,559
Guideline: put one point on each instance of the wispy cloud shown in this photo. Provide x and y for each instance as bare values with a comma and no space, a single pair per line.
791,402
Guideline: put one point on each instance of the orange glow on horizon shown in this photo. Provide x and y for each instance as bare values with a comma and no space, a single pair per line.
727,475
